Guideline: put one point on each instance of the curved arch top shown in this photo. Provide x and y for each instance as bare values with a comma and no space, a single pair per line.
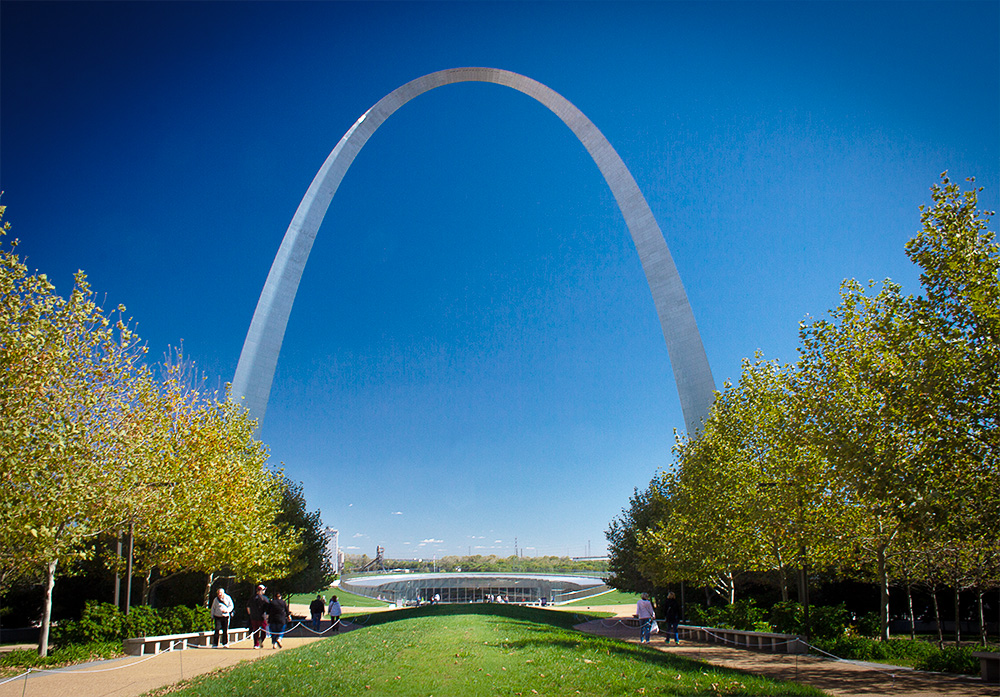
255,371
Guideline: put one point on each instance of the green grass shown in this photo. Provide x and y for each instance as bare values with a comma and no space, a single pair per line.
612,598
345,598
477,650
17,661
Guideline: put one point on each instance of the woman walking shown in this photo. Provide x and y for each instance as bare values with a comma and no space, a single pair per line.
277,618
644,611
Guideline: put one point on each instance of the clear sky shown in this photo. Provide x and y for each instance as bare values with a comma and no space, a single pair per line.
473,355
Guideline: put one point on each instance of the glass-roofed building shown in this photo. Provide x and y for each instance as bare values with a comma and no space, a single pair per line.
408,588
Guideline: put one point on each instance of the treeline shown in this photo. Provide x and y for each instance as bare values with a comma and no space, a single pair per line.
478,562
95,445
875,455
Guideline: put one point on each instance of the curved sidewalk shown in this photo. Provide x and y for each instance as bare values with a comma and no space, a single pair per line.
135,675
841,678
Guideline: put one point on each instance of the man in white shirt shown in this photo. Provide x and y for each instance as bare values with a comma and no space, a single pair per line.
222,610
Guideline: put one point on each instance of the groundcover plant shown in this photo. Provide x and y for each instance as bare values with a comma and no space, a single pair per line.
476,654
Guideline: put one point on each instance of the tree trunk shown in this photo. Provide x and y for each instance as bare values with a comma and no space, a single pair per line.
937,619
958,616
782,575
982,616
909,599
145,586
883,587
208,588
43,632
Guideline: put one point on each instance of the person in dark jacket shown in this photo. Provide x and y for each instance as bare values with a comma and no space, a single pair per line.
277,617
316,609
672,614
257,609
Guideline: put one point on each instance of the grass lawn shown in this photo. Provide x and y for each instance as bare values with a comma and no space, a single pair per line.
345,598
612,598
477,650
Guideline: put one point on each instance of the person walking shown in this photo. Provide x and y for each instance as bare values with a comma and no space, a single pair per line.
222,610
316,609
644,611
672,614
257,609
277,617
334,611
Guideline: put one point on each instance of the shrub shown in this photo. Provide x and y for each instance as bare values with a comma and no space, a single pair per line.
104,622
786,617
99,622
182,619
827,622
951,659
869,624
859,648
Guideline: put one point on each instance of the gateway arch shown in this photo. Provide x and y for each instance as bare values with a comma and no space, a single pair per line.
255,371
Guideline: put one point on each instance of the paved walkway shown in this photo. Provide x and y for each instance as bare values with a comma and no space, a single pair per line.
840,678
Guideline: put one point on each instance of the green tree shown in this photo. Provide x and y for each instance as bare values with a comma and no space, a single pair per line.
645,509
67,371
310,567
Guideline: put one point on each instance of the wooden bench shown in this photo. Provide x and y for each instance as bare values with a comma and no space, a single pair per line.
141,646
989,665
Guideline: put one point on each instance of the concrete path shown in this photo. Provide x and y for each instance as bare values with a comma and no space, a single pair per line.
136,675
840,678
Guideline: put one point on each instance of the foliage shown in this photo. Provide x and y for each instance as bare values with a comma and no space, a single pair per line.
310,567
951,659
858,648
104,622
743,614
61,655
869,625
92,445
491,562
787,617
877,454
828,622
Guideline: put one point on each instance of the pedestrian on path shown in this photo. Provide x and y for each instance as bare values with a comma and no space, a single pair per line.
672,614
257,609
644,611
316,609
277,618
335,611
222,610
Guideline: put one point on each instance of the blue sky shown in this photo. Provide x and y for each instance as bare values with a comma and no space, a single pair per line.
473,355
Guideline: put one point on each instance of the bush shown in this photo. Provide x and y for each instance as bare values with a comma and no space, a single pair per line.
182,619
787,617
104,622
827,622
743,614
858,648
869,624
951,659
99,622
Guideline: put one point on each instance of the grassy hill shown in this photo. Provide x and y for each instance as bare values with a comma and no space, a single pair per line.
477,650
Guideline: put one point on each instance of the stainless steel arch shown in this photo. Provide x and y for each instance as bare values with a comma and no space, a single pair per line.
255,371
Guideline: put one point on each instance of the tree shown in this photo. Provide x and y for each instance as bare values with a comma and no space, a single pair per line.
66,372
645,509
310,567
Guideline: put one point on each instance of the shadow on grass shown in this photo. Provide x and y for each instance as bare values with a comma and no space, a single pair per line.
534,615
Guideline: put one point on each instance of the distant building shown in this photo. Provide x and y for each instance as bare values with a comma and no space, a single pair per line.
333,552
